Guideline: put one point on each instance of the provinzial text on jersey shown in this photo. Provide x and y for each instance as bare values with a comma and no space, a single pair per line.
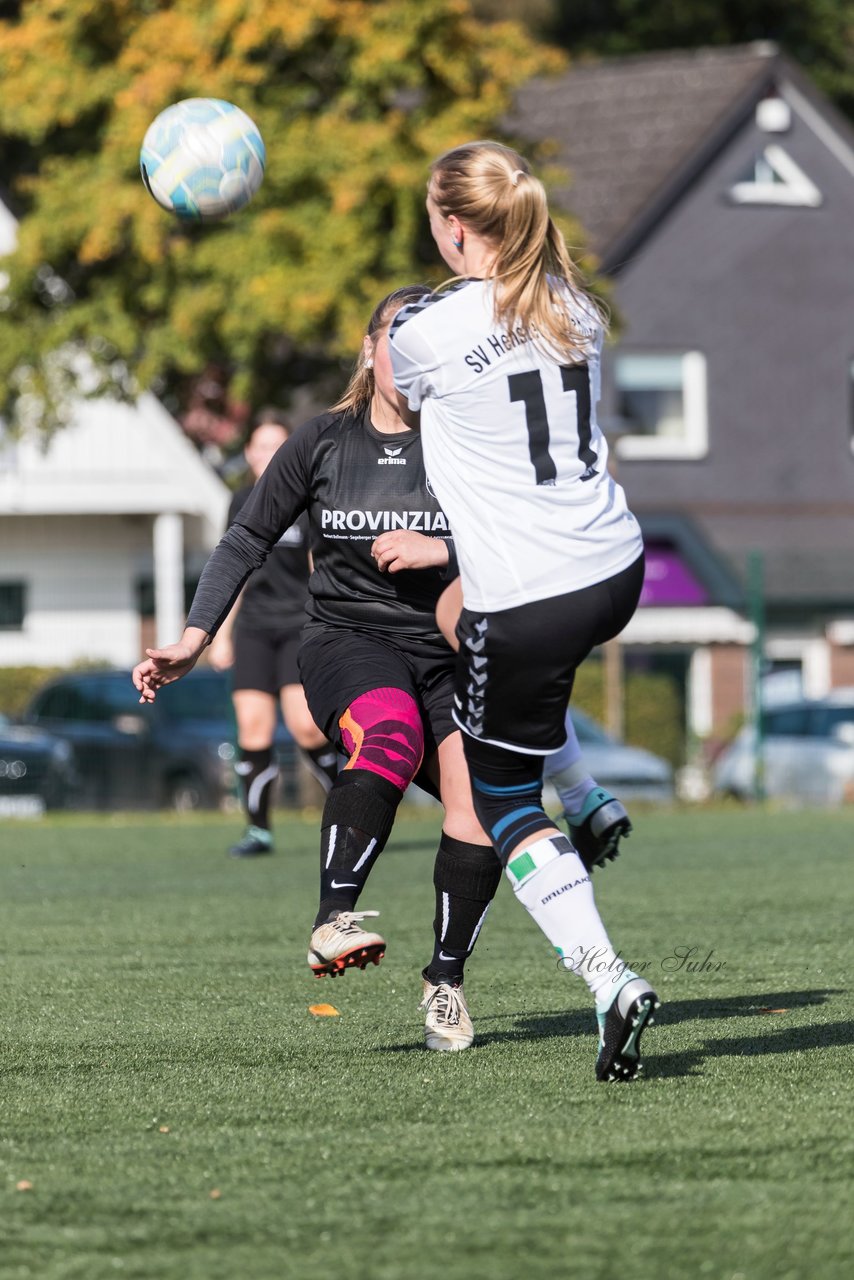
382,521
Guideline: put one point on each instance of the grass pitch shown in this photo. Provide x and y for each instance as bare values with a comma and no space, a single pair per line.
169,1108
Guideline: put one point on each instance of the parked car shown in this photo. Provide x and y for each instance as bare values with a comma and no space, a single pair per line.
630,772
178,752
36,771
808,753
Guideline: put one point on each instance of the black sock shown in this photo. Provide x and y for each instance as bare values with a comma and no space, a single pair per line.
323,763
356,823
466,877
257,771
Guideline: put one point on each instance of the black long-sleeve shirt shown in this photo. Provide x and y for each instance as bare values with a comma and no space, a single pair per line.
355,483
275,595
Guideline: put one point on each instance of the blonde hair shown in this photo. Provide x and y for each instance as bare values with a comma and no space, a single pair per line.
360,389
492,191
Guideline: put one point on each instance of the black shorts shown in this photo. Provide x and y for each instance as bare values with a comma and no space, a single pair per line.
265,659
337,666
515,668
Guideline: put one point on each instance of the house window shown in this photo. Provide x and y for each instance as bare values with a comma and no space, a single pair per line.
661,405
773,178
12,602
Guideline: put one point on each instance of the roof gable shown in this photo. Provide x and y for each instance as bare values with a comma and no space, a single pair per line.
631,131
112,458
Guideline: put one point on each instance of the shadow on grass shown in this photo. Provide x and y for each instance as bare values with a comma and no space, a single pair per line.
784,1040
577,1022
755,1042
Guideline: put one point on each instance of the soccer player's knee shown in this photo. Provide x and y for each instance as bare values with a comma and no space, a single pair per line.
507,793
471,871
383,734
360,800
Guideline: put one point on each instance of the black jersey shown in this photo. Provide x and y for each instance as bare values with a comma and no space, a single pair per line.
274,595
355,483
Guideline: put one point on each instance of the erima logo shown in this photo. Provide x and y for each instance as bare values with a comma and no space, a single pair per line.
382,521
392,457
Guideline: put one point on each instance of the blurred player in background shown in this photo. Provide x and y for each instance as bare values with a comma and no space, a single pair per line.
259,641
502,367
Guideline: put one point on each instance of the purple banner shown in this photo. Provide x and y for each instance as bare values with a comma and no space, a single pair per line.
668,580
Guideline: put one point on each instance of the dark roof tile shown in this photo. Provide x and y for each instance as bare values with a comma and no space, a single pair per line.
625,126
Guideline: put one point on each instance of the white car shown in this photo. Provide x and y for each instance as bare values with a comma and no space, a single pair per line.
808,753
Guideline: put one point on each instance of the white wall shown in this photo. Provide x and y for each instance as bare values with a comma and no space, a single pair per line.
80,573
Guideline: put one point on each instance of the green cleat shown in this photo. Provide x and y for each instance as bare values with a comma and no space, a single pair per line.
255,843
597,829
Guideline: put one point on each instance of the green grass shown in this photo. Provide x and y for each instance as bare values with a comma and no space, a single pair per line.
156,1046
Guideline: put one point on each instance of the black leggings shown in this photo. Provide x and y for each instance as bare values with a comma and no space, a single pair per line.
521,705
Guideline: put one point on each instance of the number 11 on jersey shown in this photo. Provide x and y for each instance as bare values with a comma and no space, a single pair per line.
528,387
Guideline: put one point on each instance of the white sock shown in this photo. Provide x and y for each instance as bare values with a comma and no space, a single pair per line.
551,882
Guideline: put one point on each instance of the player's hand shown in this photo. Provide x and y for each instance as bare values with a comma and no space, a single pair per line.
163,666
221,652
404,549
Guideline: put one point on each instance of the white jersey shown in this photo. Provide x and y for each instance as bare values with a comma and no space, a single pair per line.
513,450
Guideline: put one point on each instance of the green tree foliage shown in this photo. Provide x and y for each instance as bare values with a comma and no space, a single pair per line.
537,15
818,34
653,708
353,98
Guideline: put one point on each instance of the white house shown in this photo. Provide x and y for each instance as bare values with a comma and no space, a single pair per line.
117,503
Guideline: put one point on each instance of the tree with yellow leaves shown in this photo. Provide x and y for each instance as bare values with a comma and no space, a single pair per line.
106,292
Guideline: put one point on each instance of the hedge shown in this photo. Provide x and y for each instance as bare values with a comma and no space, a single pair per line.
653,712
18,684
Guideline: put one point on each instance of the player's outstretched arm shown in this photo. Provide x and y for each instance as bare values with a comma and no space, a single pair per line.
163,666
221,648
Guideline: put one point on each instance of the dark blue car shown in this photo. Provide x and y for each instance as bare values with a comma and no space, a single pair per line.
36,771
178,752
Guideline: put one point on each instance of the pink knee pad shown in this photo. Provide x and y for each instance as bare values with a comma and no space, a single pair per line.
382,732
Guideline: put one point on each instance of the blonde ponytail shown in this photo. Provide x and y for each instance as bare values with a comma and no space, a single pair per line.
492,191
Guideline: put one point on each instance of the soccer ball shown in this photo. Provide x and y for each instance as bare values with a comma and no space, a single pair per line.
202,158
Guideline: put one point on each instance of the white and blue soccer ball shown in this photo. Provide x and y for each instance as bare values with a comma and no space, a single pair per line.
202,158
